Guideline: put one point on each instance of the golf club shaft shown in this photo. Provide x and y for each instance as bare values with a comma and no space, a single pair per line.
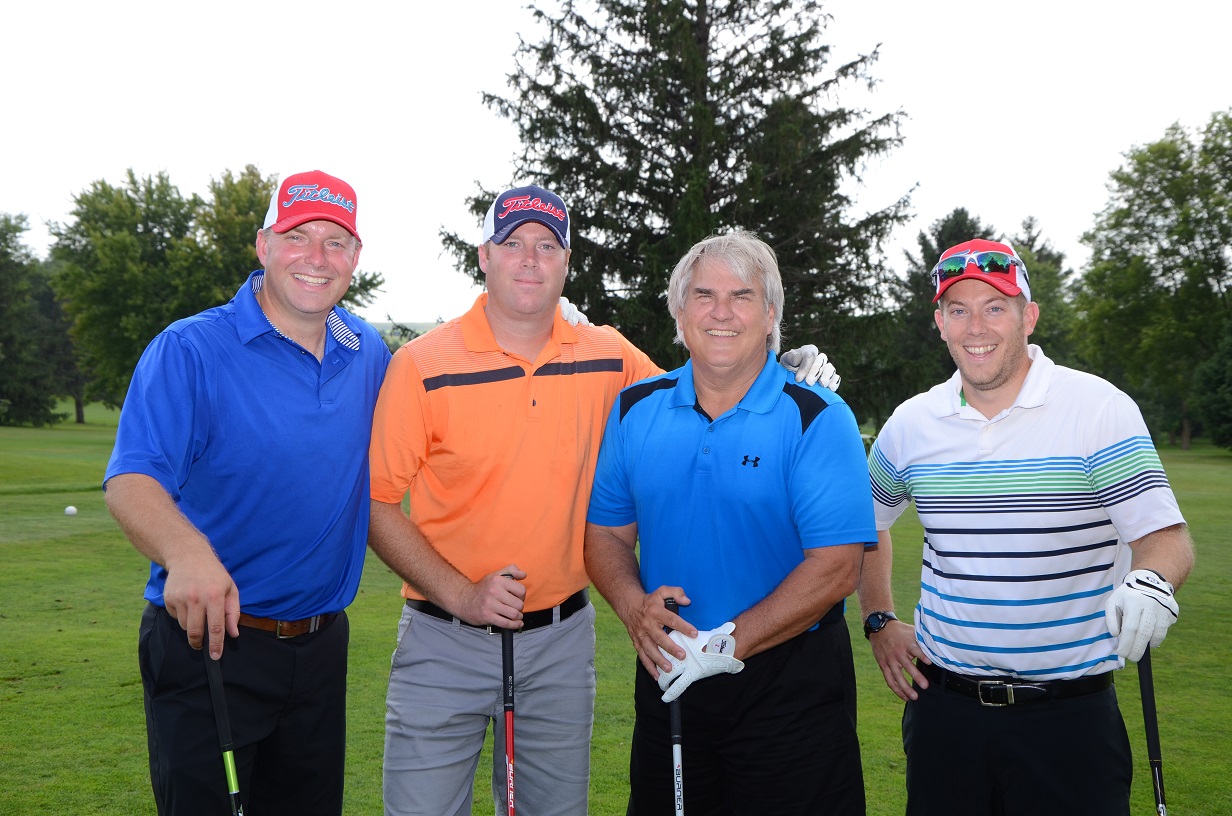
673,713
507,674
1154,755
223,720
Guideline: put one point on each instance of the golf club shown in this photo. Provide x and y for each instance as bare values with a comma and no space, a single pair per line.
673,712
507,673
1146,683
223,720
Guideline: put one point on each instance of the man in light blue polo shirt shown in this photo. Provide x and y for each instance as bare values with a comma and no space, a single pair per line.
748,495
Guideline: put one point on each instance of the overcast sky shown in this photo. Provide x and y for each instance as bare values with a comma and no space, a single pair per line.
1014,109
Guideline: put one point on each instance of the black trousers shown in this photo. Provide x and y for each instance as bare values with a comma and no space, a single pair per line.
287,702
779,737
1067,757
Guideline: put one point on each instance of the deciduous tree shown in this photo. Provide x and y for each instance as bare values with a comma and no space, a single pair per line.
35,354
136,257
1154,301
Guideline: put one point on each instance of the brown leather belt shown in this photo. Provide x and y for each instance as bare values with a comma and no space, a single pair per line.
288,629
530,620
1007,691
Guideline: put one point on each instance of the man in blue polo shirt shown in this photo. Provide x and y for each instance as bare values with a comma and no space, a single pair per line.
241,470
747,493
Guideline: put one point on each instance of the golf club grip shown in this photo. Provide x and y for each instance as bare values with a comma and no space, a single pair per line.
507,683
674,706
214,673
222,719
673,714
1150,719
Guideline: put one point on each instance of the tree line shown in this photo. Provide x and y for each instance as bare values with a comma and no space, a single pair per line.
660,123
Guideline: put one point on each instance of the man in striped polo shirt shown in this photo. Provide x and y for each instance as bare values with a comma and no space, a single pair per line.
1052,548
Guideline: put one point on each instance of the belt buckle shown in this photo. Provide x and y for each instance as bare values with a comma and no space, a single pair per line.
493,629
1009,693
314,623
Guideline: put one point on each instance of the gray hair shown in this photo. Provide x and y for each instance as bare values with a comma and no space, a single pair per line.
749,258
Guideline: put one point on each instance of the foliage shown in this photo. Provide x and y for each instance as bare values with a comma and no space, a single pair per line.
1213,381
1051,288
662,122
116,280
136,257
36,358
1155,299
902,354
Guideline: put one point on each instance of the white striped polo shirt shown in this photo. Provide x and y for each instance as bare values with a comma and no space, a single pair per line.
1027,518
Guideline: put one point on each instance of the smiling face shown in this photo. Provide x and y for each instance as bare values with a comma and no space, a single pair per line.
307,270
525,274
725,321
986,332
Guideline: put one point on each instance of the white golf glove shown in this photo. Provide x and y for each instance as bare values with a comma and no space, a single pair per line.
707,654
811,366
1139,612
571,313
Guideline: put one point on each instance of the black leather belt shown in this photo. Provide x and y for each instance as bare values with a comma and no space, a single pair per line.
530,620
1007,691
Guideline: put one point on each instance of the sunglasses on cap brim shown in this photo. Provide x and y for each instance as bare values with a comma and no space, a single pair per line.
989,262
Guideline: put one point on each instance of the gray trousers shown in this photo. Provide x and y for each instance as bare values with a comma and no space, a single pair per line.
445,687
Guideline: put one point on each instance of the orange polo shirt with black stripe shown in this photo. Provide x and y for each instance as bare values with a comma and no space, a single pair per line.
498,452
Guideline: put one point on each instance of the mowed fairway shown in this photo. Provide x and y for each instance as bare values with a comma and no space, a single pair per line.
72,734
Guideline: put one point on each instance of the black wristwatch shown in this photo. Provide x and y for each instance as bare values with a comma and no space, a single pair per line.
877,621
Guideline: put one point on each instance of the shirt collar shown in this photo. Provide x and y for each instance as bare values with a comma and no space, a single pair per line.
251,321
761,397
478,337
949,400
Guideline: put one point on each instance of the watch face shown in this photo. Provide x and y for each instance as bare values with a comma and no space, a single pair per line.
876,622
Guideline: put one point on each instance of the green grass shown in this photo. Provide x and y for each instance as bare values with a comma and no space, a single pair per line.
72,732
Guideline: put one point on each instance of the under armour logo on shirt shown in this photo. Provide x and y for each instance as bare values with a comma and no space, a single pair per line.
753,461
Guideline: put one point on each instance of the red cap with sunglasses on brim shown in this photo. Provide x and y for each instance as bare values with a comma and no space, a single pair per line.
993,262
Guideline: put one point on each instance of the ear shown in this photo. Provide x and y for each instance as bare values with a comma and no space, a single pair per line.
262,247
940,320
1030,316
483,257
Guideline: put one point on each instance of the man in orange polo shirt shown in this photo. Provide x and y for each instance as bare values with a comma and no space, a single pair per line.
492,423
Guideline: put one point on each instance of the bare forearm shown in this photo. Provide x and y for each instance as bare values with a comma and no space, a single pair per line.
152,521
1168,551
199,592
612,566
874,589
825,577
399,543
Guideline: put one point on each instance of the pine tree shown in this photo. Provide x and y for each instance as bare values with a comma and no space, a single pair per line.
661,122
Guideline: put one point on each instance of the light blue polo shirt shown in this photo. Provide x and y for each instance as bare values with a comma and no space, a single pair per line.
264,449
726,507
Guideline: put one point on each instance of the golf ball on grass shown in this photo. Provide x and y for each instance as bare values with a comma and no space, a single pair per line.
70,510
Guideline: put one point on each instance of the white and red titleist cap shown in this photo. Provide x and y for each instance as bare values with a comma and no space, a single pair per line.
311,196
515,207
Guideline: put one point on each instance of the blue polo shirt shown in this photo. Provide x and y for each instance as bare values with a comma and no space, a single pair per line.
264,449
726,507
